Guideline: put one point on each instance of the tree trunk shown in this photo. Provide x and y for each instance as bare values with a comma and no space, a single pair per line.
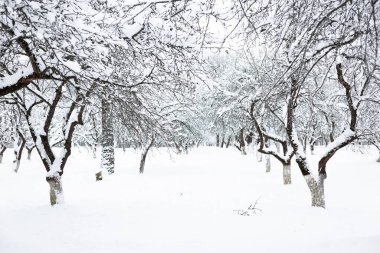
16,165
312,148
19,147
29,154
2,150
305,145
287,174
243,151
316,190
56,192
107,139
217,140
242,142
259,156
228,141
143,156
222,145
99,176
267,163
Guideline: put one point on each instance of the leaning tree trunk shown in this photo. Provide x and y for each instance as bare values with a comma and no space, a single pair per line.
143,156
56,191
2,150
228,141
19,147
107,139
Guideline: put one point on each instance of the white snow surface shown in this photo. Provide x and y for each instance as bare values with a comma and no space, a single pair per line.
186,203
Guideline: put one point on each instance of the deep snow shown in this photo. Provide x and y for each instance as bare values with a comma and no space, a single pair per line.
186,203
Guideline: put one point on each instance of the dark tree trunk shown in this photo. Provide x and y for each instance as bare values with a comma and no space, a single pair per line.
19,147
107,139
99,176
228,141
143,156
2,150
242,142
29,154
217,140
222,145
29,149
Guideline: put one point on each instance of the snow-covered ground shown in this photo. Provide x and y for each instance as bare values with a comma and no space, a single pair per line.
189,203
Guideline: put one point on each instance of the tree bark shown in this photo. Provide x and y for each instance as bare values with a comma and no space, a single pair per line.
217,140
2,150
242,142
287,174
29,154
143,156
222,145
99,176
19,147
267,163
228,141
56,191
107,139
317,192
312,148
259,156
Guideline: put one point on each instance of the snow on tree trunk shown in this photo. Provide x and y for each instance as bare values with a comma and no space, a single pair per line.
1,158
267,163
107,139
259,156
243,151
316,190
312,149
18,148
16,165
56,192
287,174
